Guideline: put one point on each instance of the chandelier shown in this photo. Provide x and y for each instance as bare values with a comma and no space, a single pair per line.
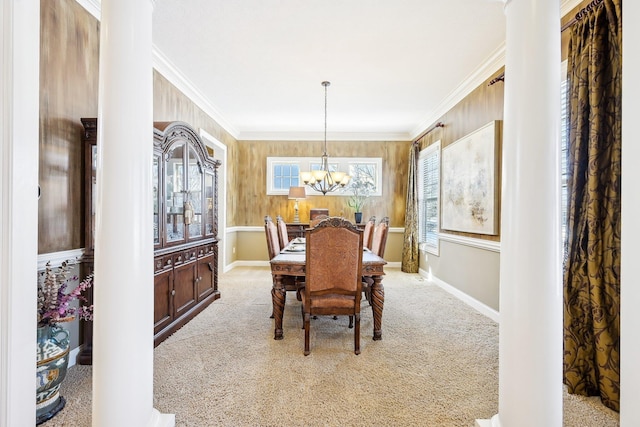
324,180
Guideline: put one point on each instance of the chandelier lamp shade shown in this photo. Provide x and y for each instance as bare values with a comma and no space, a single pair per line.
324,180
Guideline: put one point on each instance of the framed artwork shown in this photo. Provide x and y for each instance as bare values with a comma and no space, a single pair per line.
469,174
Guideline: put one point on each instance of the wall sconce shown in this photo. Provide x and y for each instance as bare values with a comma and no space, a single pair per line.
296,193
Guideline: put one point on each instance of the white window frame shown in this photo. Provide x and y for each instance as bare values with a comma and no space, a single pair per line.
429,241
272,162
343,164
564,147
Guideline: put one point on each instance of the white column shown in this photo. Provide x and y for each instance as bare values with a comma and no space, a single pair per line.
19,114
530,261
530,373
123,293
630,274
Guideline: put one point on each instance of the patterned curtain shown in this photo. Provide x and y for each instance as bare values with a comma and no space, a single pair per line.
410,254
592,249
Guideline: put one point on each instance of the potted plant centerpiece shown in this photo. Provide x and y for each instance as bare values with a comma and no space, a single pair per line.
55,307
361,187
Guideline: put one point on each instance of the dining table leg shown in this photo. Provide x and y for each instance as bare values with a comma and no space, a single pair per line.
278,297
377,303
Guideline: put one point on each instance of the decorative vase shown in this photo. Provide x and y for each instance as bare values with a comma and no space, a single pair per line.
52,360
358,217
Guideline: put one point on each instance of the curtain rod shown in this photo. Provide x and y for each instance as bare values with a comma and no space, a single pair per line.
499,78
581,14
426,132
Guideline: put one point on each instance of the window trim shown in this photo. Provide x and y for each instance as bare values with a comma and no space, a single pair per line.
271,162
426,153
304,164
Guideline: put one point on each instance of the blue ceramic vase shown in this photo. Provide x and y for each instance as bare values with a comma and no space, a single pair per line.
52,359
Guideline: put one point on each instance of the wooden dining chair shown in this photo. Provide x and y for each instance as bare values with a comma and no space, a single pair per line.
379,242
378,245
283,234
271,232
367,235
291,283
313,222
333,274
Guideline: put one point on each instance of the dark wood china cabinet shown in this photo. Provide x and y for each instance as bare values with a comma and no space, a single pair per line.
185,224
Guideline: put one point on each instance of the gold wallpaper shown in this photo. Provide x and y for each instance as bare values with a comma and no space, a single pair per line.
69,40
254,204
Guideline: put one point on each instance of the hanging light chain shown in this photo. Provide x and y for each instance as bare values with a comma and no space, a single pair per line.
328,181
325,84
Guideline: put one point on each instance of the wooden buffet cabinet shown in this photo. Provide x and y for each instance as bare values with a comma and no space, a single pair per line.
185,225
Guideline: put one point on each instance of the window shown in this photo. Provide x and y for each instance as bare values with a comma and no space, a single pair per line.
285,175
564,147
429,198
284,172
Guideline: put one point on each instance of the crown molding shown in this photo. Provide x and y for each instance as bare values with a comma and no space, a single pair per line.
92,6
171,72
486,69
319,136
482,73
567,6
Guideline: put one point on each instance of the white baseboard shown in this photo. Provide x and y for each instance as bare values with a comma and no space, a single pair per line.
247,264
493,422
479,306
161,420
73,355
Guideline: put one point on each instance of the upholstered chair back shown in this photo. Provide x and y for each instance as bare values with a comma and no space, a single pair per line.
367,235
283,235
273,242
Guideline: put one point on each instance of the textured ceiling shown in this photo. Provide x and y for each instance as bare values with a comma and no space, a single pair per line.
395,66
259,64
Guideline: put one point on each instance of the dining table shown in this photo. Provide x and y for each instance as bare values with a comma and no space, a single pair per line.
291,262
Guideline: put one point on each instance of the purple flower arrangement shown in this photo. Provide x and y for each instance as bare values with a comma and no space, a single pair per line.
54,303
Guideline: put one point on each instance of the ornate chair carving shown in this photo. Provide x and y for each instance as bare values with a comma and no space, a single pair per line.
333,274
313,222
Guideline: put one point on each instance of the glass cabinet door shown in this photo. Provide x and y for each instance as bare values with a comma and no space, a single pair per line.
194,191
208,191
175,191
156,204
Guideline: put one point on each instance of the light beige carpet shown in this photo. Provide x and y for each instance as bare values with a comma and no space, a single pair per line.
437,365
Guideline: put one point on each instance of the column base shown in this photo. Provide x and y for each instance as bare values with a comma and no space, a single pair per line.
493,422
162,420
